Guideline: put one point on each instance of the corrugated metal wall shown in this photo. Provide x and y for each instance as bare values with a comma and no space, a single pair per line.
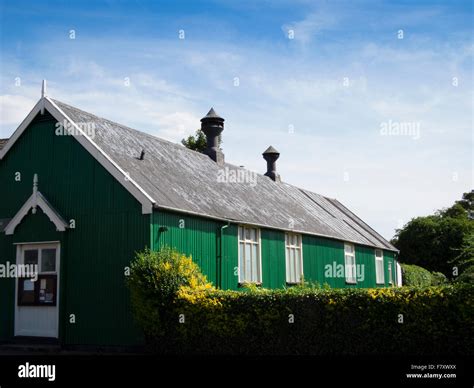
273,259
319,253
200,238
109,230
190,235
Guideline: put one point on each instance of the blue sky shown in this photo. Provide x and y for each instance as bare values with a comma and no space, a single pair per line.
319,80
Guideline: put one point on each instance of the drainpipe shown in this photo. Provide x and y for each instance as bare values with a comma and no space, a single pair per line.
219,273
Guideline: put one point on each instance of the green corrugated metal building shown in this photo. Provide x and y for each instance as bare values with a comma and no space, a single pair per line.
81,194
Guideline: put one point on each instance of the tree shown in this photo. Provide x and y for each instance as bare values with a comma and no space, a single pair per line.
434,242
196,142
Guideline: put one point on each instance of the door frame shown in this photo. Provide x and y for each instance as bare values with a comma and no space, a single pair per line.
20,247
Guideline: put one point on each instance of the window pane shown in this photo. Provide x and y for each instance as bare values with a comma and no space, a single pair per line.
297,266
349,268
252,234
349,249
248,264
47,290
247,233
31,257
27,291
241,262
379,271
254,263
292,265
48,260
288,280
241,233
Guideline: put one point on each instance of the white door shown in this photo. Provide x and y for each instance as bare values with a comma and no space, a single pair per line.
37,302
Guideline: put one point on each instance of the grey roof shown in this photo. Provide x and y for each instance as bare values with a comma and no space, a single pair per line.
212,115
184,180
271,150
3,142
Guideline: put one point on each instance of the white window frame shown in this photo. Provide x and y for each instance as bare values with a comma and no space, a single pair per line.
241,258
298,249
353,279
390,273
379,277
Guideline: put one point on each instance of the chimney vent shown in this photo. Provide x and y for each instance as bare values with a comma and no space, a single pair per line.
142,155
212,125
271,155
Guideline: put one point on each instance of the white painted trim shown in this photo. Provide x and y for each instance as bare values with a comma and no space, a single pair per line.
379,258
37,242
36,199
113,168
390,273
399,274
19,253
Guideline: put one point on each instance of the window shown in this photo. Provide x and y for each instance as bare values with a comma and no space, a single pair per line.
379,275
43,291
350,263
294,258
390,278
249,255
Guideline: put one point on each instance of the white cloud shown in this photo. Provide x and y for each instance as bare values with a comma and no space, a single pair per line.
13,109
305,30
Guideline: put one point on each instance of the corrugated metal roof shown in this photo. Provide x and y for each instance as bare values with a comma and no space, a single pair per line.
188,181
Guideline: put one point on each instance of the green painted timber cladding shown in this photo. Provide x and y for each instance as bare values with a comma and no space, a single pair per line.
110,228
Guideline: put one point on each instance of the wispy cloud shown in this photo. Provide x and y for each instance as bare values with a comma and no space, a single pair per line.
306,29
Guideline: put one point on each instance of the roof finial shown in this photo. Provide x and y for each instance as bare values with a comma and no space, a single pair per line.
43,95
35,192
43,89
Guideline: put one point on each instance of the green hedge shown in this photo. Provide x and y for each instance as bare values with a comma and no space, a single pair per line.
199,319
415,276
467,276
436,320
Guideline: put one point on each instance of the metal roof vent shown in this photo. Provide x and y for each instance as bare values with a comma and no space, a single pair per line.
271,155
212,125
